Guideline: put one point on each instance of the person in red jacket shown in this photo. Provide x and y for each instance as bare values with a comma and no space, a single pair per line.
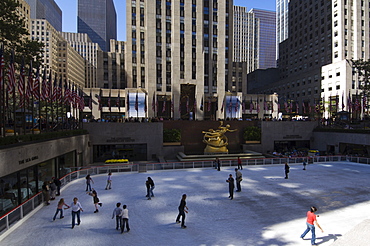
311,222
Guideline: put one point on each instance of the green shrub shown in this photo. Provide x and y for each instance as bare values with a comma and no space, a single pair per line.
252,133
171,135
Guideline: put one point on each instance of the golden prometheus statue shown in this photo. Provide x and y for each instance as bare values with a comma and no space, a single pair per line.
216,140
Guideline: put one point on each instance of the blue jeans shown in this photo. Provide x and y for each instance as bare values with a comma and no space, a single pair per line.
74,216
56,213
88,186
118,222
312,228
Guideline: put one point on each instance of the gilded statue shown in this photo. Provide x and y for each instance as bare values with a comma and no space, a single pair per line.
216,140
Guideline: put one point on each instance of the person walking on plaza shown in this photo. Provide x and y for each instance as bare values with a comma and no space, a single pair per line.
58,185
182,210
46,192
60,206
117,213
109,182
124,216
230,180
76,209
239,178
96,200
311,222
53,190
240,166
149,188
286,168
89,180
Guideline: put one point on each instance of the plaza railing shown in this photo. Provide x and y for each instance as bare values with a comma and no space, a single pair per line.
8,220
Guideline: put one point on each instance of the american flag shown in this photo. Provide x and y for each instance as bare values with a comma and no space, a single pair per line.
109,104
127,101
11,75
164,104
59,89
67,93
251,106
74,96
349,101
43,87
173,105
21,86
118,102
209,105
90,102
237,105
36,86
230,105
2,65
343,106
364,103
54,96
81,103
195,104
29,83
99,101
153,102
48,88
145,106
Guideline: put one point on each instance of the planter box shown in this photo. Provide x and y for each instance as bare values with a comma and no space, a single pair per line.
172,144
252,142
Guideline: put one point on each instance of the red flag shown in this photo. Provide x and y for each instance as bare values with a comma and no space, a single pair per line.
11,75
29,83
36,86
21,86
251,106
2,65
118,102
59,89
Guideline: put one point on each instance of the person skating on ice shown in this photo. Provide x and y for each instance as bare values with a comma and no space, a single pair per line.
117,213
230,180
239,178
182,210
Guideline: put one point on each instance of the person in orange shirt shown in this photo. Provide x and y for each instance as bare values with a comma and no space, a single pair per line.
311,222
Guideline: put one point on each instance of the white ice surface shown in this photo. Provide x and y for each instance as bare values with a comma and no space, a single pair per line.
270,210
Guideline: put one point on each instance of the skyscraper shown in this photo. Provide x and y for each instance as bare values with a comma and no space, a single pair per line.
246,38
98,19
267,37
180,51
282,8
47,10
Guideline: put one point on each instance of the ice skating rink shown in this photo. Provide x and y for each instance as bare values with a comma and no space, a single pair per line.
270,210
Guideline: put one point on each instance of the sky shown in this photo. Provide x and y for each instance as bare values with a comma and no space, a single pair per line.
69,8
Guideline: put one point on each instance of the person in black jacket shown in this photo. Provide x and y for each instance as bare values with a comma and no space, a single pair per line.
286,168
182,210
58,185
149,188
230,180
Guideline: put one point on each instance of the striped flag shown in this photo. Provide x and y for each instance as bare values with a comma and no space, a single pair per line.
21,86
43,87
11,75
2,65
59,89
209,105
54,95
29,83
48,88
164,104
36,86
118,102
66,93
81,101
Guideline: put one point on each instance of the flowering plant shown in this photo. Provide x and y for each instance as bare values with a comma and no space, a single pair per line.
116,161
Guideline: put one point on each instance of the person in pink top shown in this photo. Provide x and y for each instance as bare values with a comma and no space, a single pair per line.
60,206
311,222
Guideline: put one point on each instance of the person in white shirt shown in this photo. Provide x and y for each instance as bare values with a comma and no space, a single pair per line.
124,215
76,208
109,182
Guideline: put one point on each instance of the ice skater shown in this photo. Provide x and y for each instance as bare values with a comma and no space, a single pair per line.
304,165
240,166
117,213
124,216
182,210
89,180
286,168
230,180
76,209
239,178
60,206
310,222
96,200
109,181
149,188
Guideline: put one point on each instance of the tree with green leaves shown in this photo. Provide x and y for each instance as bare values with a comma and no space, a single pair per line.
15,36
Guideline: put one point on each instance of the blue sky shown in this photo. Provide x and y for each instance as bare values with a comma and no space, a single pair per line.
69,8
